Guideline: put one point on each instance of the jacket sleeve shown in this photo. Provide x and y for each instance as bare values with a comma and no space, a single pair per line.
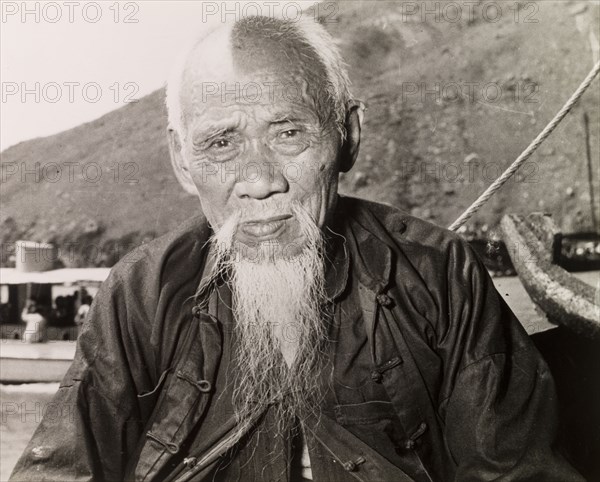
94,422
501,414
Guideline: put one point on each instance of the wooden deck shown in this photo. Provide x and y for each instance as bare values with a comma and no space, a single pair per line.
22,362
530,316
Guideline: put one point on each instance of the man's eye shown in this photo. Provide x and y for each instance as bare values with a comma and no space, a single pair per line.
219,150
289,134
220,144
291,141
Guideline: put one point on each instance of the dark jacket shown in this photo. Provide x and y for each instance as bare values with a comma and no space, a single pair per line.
474,397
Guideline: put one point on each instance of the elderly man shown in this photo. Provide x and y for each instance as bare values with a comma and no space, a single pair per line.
294,334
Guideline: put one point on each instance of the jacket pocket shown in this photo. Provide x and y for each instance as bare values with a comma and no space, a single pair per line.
376,424
364,413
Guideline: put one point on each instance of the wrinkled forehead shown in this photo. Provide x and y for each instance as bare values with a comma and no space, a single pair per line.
253,59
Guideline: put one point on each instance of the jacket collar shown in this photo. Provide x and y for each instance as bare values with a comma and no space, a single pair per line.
369,244
337,263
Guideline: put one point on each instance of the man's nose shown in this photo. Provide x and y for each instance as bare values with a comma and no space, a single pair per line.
260,178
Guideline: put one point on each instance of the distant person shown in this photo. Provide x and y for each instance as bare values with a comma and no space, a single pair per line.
36,323
70,309
59,315
76,301
83,310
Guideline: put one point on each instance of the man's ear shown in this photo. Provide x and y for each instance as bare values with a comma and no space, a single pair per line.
351,145
182,173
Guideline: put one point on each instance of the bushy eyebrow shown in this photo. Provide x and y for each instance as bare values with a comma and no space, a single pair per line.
285,118
207,132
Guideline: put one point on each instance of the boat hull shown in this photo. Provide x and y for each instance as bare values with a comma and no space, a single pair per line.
533,243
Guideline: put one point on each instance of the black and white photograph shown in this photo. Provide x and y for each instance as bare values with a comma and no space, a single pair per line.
293,241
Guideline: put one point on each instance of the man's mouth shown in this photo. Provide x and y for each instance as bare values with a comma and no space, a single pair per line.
267,228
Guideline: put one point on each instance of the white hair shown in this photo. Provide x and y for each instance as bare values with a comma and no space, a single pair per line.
280,324
304,29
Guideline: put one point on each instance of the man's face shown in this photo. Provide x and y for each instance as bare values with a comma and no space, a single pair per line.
256,142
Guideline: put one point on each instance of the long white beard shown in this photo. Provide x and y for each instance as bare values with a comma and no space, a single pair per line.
278,305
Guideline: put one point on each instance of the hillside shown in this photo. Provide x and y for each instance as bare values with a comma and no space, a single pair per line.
435,133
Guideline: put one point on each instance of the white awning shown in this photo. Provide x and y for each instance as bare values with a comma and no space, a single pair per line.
10,276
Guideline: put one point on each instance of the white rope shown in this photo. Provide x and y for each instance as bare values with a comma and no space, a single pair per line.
526,154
